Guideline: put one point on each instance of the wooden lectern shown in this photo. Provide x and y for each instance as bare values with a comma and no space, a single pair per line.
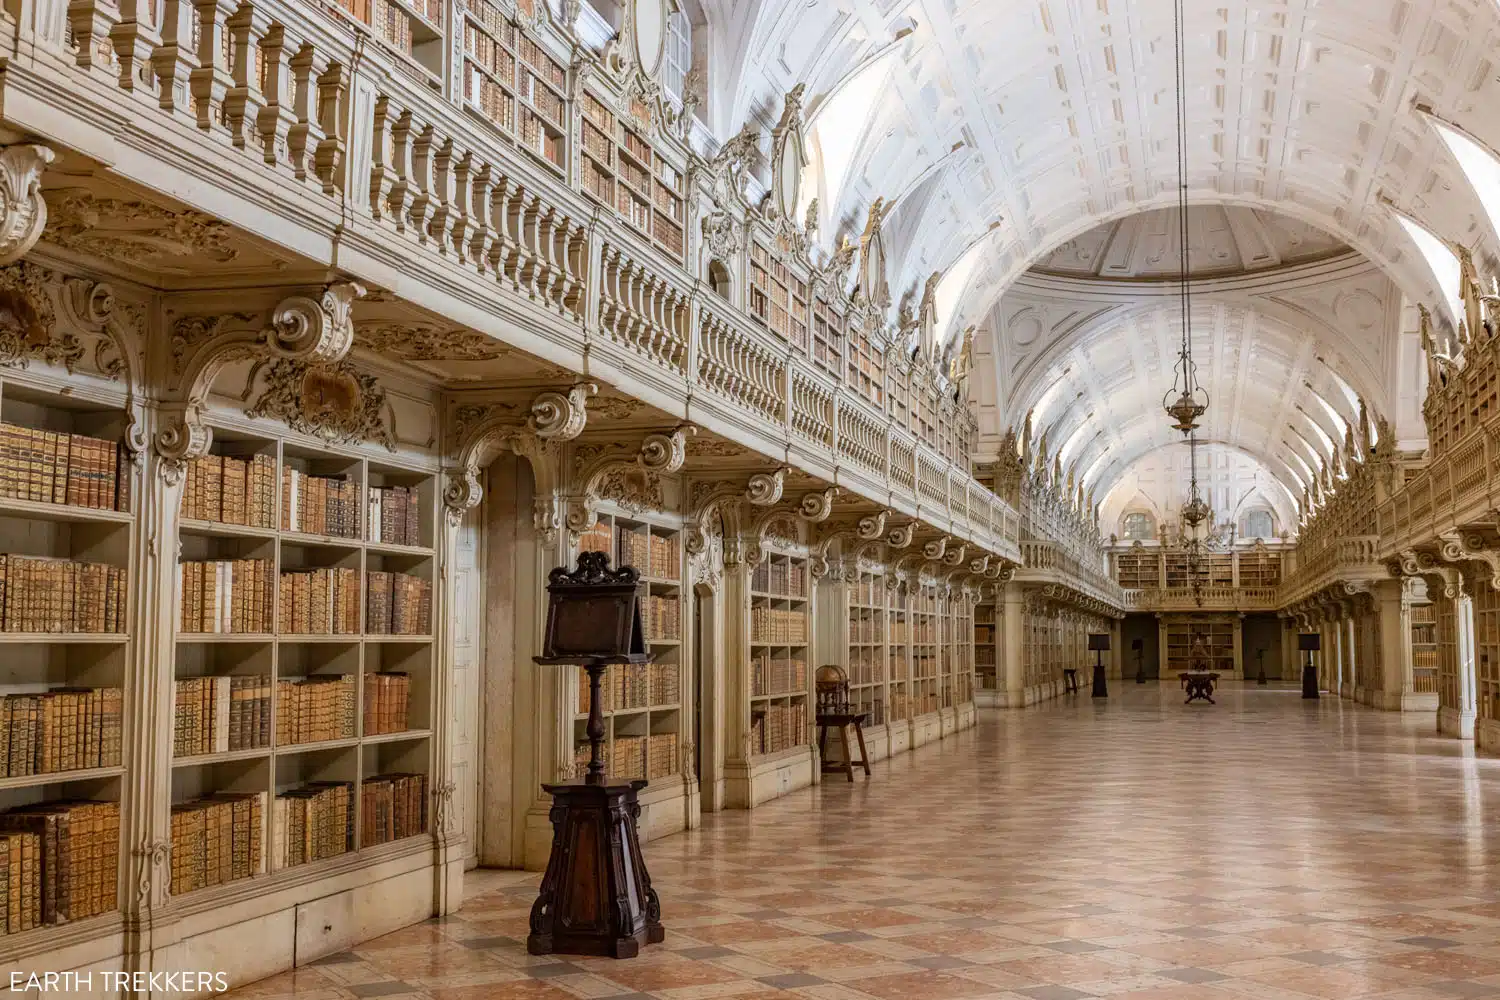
595,898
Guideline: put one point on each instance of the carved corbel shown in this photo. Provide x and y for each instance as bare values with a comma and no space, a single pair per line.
935,549
300,328
1451,576
479,432
634,483
1457,545
816,506
872,527
23,210
980,565
766,488
901,535
955,556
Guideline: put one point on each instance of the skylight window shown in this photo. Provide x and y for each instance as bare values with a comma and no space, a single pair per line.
1479,166
1442,262
837,127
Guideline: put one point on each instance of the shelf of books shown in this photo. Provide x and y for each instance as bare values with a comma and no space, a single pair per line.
867,647
960,688
927,642
779,681
642,703
302,682
412,28
1486,651
898,616
1218,636
66,527
1446,613
1139,568
1259,568
512,83
620,167
1424,649
986,653
1044,656
778,297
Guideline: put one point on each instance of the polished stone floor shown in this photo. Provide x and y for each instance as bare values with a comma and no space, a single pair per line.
1263,847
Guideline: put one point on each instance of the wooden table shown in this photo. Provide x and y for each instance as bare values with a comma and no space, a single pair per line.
842,721
1199,684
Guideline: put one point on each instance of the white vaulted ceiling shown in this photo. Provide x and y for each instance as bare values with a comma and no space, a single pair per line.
1045,133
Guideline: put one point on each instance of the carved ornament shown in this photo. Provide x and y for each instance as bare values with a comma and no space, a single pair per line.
23,210
428,342
332,401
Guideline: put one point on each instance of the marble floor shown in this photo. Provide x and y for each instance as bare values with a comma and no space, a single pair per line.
1264,847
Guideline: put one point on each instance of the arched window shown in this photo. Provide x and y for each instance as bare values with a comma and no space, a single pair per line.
1259,524
1138,525
678,58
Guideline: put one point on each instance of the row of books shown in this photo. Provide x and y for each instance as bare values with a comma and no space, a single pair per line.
984,614
866,666
632,685
393,807
231,490
312,823
217,840
319,505
780,727
220,714
864,628
59,862
778,627
394,515
777,675
652,554
387,703
39,594
315,709
868,591
61,468
398,604
784,579
661,617
1424,659
68,729
652,756
226,596
320,601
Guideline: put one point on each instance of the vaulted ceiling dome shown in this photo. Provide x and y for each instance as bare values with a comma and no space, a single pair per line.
1223,240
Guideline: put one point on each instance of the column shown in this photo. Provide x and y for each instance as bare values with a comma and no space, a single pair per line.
1116,654
1467,687
1011,673
1351,652
1239,642
1394,635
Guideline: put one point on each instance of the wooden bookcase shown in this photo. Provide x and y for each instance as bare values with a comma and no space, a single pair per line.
1259,568
622,169
986,651
66,497
927,649
778,298
899,633
867,647
780,712
642,704
1139,568
1218,640
411,28
335,676
513,84
961,629
1486,650
1424,649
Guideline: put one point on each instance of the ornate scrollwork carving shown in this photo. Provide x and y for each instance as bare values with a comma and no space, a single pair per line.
560,416
955,556
765,488
151,863
902,535
816,507
23,211
28,321
634,483
1458,546
316,330
936,548
872,527
332,401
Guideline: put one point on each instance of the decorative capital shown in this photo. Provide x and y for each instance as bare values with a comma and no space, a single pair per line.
23,211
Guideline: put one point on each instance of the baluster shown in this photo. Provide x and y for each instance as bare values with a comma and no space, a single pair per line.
243,101
481,236
210,80
382,175
511,222
400,194
173,59
462,210
440,225
333,124
92,22
530,228
548,276
577,261
304,135
135,37
421,181
276,119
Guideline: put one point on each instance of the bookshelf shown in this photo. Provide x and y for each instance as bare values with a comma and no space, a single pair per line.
620,168
986,651
961,629
1219,636
780,716
511,83
302,678
927,649
1486,650
867,646
1447,650
642,703
1424,649
1139,568
899,654
67,530
1259,568
778,300
411,28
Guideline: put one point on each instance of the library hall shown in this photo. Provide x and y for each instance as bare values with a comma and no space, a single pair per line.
750,499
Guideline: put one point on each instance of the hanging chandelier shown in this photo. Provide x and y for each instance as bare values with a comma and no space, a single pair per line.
1187,400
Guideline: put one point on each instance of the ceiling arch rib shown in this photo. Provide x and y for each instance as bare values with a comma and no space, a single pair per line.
1304,108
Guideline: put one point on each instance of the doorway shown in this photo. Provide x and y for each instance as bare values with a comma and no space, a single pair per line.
1146,659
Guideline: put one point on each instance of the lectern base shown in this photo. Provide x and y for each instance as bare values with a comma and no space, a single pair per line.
596,898
1309,681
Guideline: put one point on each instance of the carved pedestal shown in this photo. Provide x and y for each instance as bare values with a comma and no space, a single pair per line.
596,898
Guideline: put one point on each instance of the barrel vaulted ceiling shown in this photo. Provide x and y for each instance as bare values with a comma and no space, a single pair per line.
1028,130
